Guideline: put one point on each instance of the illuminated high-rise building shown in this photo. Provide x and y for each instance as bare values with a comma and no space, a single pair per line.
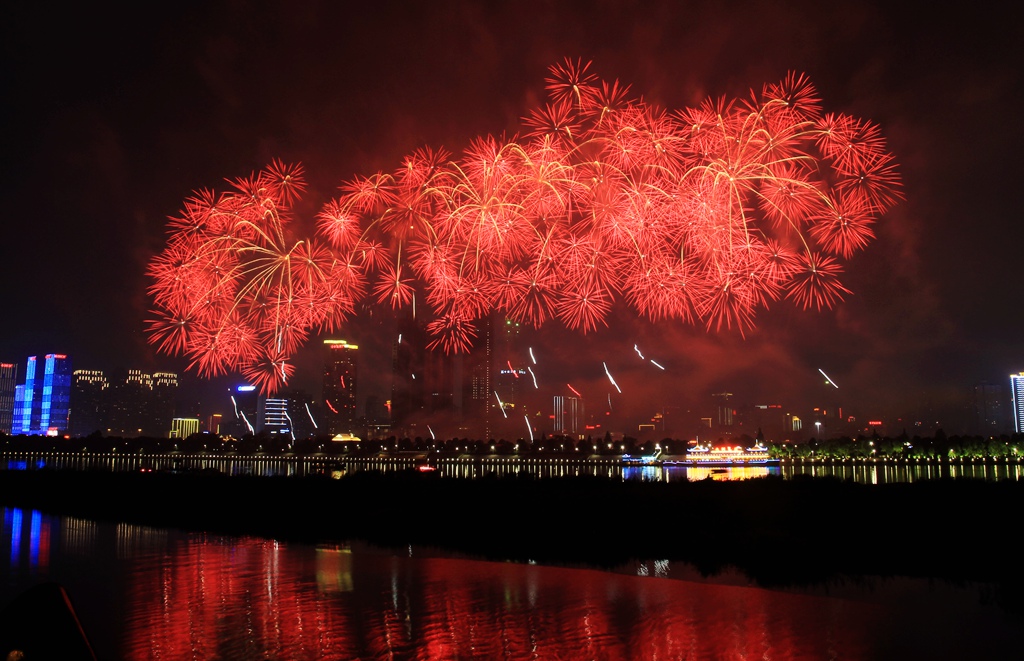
41,405
1017,390
141,404
162,403
130,392
89,390
510,377
213,423
724,411
340,387
8,383
244,412
568,415
183,427
481,393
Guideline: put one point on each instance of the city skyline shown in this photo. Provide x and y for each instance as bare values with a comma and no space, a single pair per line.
118,130
117,403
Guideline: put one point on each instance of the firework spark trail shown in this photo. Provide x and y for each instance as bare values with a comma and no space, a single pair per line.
637,350
656,364
291,425
575,392
530,370
610,378
702,215
529,428
501,404
532,358
246,421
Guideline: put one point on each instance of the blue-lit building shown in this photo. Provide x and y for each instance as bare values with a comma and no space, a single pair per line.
244,417
41,402
1017,390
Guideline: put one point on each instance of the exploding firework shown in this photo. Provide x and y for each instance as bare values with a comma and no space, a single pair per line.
703,215
235,291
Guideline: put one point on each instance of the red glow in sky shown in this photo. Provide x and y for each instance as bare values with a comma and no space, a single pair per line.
114,119
702,215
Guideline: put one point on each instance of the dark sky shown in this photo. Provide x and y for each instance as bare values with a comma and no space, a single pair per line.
112,116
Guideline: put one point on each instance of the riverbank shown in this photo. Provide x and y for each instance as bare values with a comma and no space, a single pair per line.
778,532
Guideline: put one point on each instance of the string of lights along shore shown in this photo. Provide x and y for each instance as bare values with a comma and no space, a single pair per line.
702,215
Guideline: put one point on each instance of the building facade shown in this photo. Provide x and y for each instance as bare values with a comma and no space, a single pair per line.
568,415
89,395
340,387
140,404
1017,391
8,383
41,403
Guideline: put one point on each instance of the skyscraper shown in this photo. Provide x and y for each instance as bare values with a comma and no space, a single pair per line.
88,402
340,383
140,404
162,404
41,408
8,383
568,415
245,405
1017,390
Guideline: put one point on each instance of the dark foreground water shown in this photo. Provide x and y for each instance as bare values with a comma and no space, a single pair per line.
147,593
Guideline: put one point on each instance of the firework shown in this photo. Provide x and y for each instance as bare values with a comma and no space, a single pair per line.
234,290
703,215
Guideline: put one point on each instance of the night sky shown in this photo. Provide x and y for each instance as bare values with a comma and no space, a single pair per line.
113,116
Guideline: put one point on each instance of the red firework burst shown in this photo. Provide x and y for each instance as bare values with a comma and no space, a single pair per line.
234,291
707,215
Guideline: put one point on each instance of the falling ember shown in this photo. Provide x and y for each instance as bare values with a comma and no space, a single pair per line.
501,404
575,392
702,215
610,378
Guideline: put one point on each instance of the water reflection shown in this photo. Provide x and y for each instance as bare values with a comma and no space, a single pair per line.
258,599
170,595
473,467
872,472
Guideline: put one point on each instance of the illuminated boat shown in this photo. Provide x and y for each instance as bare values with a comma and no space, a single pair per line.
727,454
653,459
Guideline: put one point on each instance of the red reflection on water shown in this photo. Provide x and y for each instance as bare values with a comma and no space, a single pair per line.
259,599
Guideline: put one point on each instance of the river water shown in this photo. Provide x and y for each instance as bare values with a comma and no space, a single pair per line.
150,593
864,471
